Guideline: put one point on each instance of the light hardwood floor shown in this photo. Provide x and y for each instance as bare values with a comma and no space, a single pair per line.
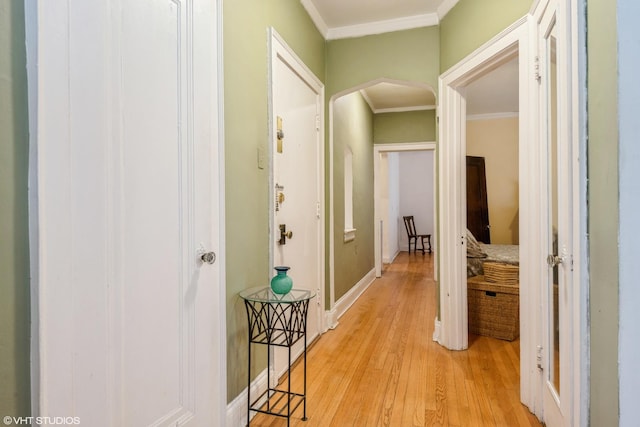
380,366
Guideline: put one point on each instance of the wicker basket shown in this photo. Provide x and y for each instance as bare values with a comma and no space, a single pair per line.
493,309
504,274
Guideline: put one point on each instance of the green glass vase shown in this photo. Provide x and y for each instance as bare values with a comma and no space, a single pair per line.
281,283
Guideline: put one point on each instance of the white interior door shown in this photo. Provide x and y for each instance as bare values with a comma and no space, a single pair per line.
130,318
297,181
557,286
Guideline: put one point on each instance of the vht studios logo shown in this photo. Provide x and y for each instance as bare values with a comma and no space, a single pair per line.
49,421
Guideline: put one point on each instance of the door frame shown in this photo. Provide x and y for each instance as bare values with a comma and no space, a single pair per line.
278,48
520,39
555,202
572,127
378,149
453,328
47,161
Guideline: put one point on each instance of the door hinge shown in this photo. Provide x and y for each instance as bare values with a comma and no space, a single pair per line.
539,358
317,122
318,210
536,71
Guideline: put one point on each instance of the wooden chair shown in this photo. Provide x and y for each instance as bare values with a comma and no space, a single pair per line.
411,233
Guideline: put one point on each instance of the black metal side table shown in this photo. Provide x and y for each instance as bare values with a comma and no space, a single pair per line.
280,321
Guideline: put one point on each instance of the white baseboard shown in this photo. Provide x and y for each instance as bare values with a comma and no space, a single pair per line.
343,304
436,330
330,319
393,258
237,409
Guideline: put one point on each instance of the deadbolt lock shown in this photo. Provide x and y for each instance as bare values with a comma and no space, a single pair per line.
284,234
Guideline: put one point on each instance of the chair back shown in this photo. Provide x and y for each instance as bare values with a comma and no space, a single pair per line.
409,225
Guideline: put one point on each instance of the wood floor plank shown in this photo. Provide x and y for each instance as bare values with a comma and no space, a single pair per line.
380,366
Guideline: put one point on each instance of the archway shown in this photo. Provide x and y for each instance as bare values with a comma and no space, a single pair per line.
340,301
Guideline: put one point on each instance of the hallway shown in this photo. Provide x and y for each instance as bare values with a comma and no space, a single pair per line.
380,366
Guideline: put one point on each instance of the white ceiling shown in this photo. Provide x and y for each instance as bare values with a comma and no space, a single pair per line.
493,94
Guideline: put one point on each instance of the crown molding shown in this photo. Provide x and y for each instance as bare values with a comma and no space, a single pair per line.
379,27
375,110
405,109
316,17
363,93
445,7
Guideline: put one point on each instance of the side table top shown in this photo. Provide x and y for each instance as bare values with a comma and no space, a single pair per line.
266,295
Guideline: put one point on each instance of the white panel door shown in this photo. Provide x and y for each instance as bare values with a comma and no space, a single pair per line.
131,318
297,162
557,199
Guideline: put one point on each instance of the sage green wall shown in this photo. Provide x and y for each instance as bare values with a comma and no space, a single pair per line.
410,55
603,210
471,23
410,126
14,232
353,127
246,130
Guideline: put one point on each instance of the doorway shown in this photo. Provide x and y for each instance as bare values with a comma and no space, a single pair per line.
453,330
477,199
529,39
382,206
353,269
492,150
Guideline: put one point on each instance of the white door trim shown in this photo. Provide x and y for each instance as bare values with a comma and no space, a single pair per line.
580,285
391,148
520,37
220,204
279,48
572,127
452,152
452,200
